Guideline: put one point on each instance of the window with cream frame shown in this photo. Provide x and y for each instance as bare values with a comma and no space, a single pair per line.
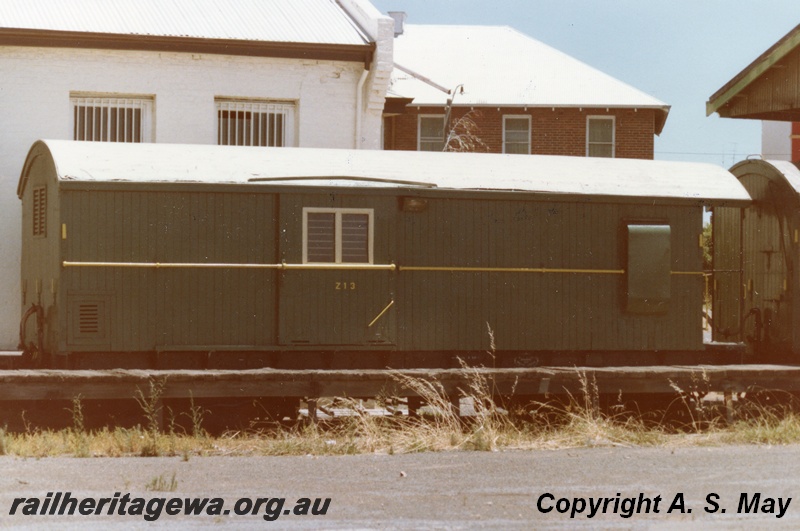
338,235
600,136
430,133
517,134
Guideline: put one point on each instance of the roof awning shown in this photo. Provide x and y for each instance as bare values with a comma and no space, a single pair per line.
758,91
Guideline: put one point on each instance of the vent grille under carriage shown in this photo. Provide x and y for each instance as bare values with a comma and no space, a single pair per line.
88,319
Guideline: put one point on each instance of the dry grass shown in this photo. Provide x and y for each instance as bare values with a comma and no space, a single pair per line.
493,425
162,484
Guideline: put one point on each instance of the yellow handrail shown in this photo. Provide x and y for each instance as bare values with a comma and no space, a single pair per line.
223,265
511,270
391,303
352,267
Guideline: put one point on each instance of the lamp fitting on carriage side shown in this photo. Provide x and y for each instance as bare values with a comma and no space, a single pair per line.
413,204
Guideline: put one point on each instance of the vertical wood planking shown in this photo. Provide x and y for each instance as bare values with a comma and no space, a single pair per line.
152,308
434,309
569,311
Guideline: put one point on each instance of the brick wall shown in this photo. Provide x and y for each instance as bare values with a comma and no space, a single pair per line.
559,131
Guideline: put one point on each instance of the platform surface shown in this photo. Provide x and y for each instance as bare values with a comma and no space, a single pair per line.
112,384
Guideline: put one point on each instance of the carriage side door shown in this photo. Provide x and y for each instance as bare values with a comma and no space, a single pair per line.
337,285
727,261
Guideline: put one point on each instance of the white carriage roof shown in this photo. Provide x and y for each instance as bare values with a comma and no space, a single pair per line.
174,163
498,65
287,21
788,170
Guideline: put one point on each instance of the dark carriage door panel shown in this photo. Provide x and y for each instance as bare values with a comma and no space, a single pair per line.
728,275
333,292
767,238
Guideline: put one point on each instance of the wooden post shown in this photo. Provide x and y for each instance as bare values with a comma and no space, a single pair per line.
312,410
455,401
414,403
729,406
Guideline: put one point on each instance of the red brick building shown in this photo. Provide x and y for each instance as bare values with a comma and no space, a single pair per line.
518,95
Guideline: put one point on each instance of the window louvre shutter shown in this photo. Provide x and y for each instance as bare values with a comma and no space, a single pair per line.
321,237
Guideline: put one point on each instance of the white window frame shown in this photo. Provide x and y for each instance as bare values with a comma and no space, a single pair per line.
369,212
430,139
287,109
613,120
517,117
112,103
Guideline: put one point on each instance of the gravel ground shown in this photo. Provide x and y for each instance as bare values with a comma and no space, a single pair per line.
452,490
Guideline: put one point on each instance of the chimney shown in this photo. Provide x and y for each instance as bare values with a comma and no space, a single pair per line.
399,21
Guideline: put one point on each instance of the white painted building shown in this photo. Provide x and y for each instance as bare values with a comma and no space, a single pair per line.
310,73
776,140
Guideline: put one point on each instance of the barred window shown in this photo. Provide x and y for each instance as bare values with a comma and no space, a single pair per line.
338,236
253,123
40,211
104,119
431,133
600,136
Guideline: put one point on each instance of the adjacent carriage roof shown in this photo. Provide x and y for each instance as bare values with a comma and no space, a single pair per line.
172,163
781,170
498,65
296,21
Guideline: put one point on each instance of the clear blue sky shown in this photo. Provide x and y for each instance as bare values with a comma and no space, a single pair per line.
679,51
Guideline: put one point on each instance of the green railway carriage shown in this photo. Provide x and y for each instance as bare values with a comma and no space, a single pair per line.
165,256
756,262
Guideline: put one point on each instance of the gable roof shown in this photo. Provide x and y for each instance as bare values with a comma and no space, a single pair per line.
235,26
722,100
590,178
499,66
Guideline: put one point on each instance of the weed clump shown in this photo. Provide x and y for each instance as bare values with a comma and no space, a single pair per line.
78,434
153,410
161,484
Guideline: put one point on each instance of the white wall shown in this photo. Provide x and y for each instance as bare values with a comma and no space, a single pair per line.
380,29
35,86
776,142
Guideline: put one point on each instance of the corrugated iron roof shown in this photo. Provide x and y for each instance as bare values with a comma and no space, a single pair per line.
289,21
752,72
623,178
498,65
